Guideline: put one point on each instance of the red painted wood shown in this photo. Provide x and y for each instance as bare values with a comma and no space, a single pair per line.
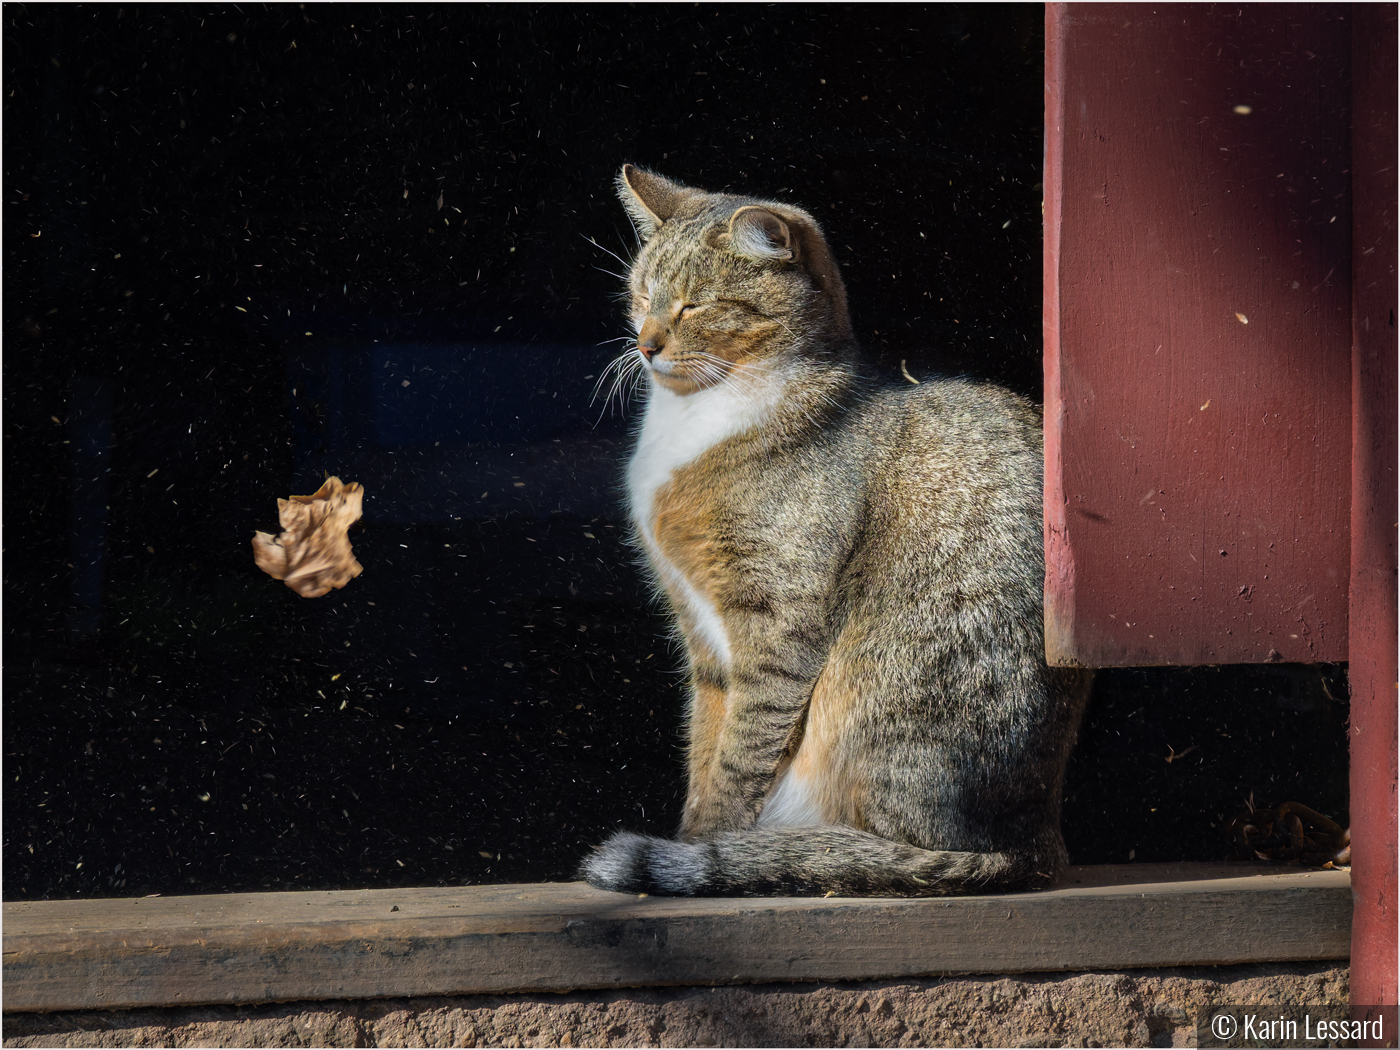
1197,333
1373,665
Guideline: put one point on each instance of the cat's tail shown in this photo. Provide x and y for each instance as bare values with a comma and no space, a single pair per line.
805,861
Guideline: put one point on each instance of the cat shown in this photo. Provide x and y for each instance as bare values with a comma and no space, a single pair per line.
856,572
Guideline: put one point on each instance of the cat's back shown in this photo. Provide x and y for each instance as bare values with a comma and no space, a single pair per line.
954,438
952,497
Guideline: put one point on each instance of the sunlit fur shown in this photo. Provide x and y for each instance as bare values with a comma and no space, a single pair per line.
855,572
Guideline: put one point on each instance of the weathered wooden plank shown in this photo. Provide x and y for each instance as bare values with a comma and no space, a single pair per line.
72,955
1197,333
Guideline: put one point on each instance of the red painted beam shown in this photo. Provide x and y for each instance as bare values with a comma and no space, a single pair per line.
1197,333
1373,669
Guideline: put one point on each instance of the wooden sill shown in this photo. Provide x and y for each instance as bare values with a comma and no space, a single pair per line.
556,937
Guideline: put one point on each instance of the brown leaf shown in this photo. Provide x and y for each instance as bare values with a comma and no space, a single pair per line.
313,554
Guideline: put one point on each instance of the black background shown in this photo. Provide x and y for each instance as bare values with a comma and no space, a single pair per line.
247,247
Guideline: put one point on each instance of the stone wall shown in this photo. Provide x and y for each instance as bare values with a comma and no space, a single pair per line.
1127,1008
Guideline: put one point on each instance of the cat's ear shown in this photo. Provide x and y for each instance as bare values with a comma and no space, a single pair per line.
649,199
759,234
778,233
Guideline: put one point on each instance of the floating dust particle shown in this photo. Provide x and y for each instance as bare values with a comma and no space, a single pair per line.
1241,318
1244,111
1206,405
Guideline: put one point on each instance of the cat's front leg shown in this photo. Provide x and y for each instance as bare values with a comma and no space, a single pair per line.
705,803
742,724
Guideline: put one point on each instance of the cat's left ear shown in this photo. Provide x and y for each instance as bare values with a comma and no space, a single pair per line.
760,234
777,233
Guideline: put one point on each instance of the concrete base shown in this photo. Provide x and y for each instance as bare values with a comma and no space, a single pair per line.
1126,1008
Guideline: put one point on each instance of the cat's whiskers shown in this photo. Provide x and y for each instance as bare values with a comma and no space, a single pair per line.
626,371
756,372
785,328
614,254
626,365
750,367
744,379
709,368
624,388
739,378
737,371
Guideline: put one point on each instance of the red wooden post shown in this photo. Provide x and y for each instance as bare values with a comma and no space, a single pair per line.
1373,669
1220,365
1197,333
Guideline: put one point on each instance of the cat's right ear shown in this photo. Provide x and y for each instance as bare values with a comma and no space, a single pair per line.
649,199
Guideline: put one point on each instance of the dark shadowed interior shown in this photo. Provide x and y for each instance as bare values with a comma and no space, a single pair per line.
246,249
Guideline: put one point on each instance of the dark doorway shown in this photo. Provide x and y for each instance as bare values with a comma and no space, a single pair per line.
245,250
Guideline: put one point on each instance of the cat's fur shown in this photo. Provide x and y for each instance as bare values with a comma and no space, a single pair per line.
856,571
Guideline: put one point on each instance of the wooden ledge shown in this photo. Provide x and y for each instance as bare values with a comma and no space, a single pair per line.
556,937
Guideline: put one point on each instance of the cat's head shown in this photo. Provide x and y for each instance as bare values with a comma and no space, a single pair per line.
725,285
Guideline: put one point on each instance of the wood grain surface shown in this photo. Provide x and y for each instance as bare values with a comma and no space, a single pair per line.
1197,333
1372,667
252,948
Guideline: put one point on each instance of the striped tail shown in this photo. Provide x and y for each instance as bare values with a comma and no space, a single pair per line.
805,862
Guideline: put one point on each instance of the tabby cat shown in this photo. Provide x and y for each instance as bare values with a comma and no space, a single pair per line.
856,571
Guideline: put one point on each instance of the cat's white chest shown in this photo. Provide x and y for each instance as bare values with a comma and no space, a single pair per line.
677,430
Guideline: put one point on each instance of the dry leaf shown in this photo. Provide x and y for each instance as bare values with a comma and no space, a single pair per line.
313,554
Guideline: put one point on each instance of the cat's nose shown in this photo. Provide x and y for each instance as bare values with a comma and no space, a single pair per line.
651,338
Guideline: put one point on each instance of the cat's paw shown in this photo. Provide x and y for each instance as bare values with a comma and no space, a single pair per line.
706,817
629,863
